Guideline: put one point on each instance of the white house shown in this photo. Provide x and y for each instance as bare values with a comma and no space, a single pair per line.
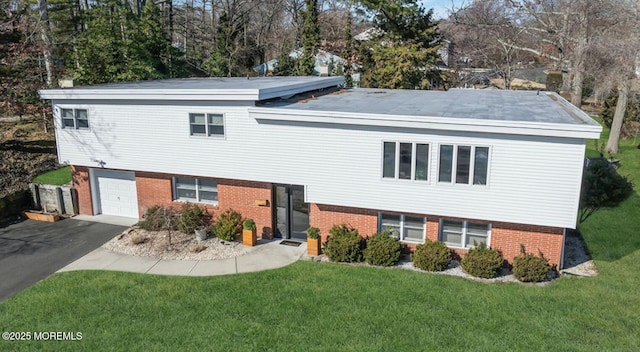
325,64
501,167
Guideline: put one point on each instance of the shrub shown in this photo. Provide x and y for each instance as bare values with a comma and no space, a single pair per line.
228,225
158,218
313,232
602,186
431,256
482,261
530,268
382,249
249,224
189,217
344,244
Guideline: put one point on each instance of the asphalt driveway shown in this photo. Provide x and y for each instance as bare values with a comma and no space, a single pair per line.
32,250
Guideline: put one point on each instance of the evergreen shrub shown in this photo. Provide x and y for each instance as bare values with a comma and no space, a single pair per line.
482,261
530,268
344,244
382,249
228,225
431,256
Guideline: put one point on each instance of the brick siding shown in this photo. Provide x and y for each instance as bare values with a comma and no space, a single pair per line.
325,216
157,189
81,184
506,237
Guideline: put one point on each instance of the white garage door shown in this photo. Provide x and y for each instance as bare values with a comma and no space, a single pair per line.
117,193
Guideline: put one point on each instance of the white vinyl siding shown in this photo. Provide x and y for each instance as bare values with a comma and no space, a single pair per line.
195,190
464,234
403,227
533,180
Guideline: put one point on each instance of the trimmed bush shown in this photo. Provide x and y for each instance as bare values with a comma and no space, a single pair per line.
228,225
189,217
313,233
482,261
249,224
344,244
382,249
530,268
158,218
431,256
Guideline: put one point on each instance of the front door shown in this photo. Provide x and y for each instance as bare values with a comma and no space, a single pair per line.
291,212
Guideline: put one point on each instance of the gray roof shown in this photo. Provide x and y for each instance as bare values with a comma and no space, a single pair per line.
527,106
202,89
214,83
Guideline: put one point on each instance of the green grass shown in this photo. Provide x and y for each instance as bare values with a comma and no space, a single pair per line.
327,307
56,177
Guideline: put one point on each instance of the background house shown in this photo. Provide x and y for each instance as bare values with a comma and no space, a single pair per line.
462,166
326,64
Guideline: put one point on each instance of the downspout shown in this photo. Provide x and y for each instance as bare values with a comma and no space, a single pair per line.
564,238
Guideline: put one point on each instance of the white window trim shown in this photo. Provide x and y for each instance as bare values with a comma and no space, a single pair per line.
206,126
75,119
402,217
454,164
464,234
396,173
197,199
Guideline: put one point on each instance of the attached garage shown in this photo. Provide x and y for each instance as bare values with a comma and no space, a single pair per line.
114,193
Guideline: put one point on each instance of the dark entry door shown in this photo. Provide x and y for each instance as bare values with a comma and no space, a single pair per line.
291,212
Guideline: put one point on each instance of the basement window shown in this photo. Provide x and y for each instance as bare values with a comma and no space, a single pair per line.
464,234
188,189
403,227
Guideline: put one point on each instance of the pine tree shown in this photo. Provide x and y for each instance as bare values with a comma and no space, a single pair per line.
118,46
403,55
286,65
347,53
310,39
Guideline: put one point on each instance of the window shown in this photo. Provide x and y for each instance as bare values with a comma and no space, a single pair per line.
75,118
469,164
480,166
403,227
389,163
405,161
206,124
463,234
195,190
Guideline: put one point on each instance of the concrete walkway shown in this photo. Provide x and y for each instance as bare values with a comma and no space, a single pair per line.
266,256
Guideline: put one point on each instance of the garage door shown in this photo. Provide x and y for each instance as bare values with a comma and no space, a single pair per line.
117,193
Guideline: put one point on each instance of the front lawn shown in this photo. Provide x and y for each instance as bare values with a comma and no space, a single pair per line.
314,306
57,177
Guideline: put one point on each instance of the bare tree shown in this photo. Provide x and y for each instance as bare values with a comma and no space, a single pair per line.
618,49
484,36
45,34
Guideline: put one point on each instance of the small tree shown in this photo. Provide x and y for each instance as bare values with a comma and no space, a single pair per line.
602,186
310,39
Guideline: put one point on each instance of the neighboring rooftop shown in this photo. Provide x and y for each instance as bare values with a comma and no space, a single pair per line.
519,106
214,88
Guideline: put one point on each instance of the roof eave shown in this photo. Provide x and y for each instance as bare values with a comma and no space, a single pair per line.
583,131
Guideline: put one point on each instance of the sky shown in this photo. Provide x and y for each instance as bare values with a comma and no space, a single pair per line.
441,8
